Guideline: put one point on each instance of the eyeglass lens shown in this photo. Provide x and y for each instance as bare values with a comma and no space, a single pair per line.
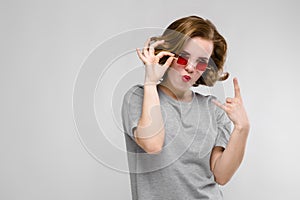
201,65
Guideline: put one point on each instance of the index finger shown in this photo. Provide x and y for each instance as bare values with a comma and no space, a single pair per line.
154,45
237,91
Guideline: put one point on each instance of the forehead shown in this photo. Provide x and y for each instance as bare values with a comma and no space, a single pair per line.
198,46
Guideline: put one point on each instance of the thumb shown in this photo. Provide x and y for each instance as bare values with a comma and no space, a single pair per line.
169,61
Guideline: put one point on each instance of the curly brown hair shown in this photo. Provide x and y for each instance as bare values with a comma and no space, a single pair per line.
181,30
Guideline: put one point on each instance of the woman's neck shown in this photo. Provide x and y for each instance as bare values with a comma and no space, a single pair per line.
169,90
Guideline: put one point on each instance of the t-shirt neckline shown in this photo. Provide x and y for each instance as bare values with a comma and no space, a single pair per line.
174,100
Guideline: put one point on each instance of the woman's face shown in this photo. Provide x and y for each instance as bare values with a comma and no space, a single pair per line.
187,69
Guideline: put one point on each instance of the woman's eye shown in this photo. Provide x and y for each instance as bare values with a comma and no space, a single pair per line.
203,61
184,56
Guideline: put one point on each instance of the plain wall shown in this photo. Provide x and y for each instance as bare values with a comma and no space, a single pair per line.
44,45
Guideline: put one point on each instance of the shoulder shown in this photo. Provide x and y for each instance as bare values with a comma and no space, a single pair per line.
136,91
205,98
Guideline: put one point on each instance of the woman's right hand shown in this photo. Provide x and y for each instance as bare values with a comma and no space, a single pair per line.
153,70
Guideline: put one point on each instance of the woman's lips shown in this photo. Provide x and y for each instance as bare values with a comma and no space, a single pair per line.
186,78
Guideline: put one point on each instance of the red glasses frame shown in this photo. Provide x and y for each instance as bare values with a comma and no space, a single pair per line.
200,66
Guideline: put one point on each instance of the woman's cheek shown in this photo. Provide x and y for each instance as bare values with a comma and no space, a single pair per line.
197,76
176,67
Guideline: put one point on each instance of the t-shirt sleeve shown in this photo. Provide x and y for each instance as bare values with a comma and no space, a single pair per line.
132,109
224,126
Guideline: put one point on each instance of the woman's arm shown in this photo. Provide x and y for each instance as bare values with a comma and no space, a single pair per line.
150,132
224,163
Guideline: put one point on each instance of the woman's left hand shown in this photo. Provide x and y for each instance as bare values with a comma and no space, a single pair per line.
234,108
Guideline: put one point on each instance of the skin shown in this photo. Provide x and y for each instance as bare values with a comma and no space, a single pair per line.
150,130
172,83
224,163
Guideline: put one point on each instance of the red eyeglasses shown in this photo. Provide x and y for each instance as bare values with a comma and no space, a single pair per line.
183,60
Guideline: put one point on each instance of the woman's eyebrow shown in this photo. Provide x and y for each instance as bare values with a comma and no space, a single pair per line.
187,53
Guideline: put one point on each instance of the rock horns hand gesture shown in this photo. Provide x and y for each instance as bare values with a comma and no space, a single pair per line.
234,107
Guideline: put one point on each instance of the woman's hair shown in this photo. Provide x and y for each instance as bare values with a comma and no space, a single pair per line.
181,30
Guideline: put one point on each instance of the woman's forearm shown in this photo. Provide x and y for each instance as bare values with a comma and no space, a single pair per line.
150,132
232,156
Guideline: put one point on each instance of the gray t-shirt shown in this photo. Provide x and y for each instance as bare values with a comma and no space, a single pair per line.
182,169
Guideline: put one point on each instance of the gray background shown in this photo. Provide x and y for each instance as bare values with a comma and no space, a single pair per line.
43,45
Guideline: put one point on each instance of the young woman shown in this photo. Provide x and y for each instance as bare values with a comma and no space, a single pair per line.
181,144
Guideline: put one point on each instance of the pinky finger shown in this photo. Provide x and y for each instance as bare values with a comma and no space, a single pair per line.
219,104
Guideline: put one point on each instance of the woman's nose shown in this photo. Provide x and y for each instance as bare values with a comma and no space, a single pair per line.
189,68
